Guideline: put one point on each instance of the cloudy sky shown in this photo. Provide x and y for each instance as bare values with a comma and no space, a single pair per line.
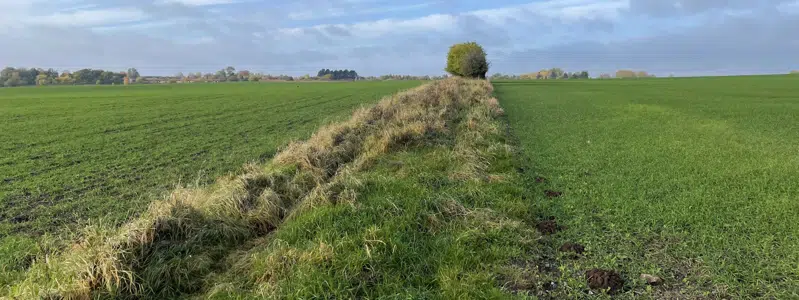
162,37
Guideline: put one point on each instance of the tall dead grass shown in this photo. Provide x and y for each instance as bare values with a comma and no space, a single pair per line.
170,248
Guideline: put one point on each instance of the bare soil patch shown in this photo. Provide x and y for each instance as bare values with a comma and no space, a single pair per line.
552,194
600,279
573,248
548,226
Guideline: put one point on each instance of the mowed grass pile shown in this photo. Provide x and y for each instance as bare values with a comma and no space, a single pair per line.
694,180
414,197
70,154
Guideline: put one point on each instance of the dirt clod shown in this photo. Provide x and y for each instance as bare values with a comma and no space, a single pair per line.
572,247
652,279
540,179
20,219
599,279
552,194
548,227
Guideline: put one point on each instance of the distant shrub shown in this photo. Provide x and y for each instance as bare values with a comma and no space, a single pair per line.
795,72
625,74
467,60
633,74
474,65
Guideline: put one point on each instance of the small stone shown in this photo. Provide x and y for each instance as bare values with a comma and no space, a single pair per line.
652,279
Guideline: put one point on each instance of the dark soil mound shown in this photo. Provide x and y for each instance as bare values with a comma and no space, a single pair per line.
604,279
548,227
552,194
572,247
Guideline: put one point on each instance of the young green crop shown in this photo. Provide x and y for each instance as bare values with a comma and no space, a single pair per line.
71,153
693,180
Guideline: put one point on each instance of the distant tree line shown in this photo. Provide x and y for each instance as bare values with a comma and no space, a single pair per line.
405,77
337,74
554,73
633,74
557,73
11,77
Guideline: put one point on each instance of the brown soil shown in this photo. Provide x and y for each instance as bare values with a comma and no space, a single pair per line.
540,179
552,194
548,226
572,247
604,280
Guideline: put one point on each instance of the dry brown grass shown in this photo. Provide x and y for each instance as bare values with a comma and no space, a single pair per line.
169,248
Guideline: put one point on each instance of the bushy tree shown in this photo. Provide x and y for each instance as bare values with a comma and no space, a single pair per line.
221,75
230,71
467,60
13,80
474,65
133,74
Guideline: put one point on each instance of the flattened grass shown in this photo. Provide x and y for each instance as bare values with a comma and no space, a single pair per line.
694,180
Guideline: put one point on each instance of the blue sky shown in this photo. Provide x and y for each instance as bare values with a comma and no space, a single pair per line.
162,37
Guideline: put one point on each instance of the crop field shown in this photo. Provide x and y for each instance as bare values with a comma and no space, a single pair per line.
69,154
673,188
691,179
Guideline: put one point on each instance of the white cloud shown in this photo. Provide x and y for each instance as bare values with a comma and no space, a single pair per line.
90,17
566,10
789,7
198,2
340,12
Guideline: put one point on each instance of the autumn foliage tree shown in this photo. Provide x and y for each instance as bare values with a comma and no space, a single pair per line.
467,60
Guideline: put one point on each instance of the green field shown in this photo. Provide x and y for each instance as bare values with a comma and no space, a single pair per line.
68,154
435,193
695,180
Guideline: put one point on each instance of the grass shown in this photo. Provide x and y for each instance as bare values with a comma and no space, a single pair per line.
76,152
416,196
72,154
693,180
438,193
